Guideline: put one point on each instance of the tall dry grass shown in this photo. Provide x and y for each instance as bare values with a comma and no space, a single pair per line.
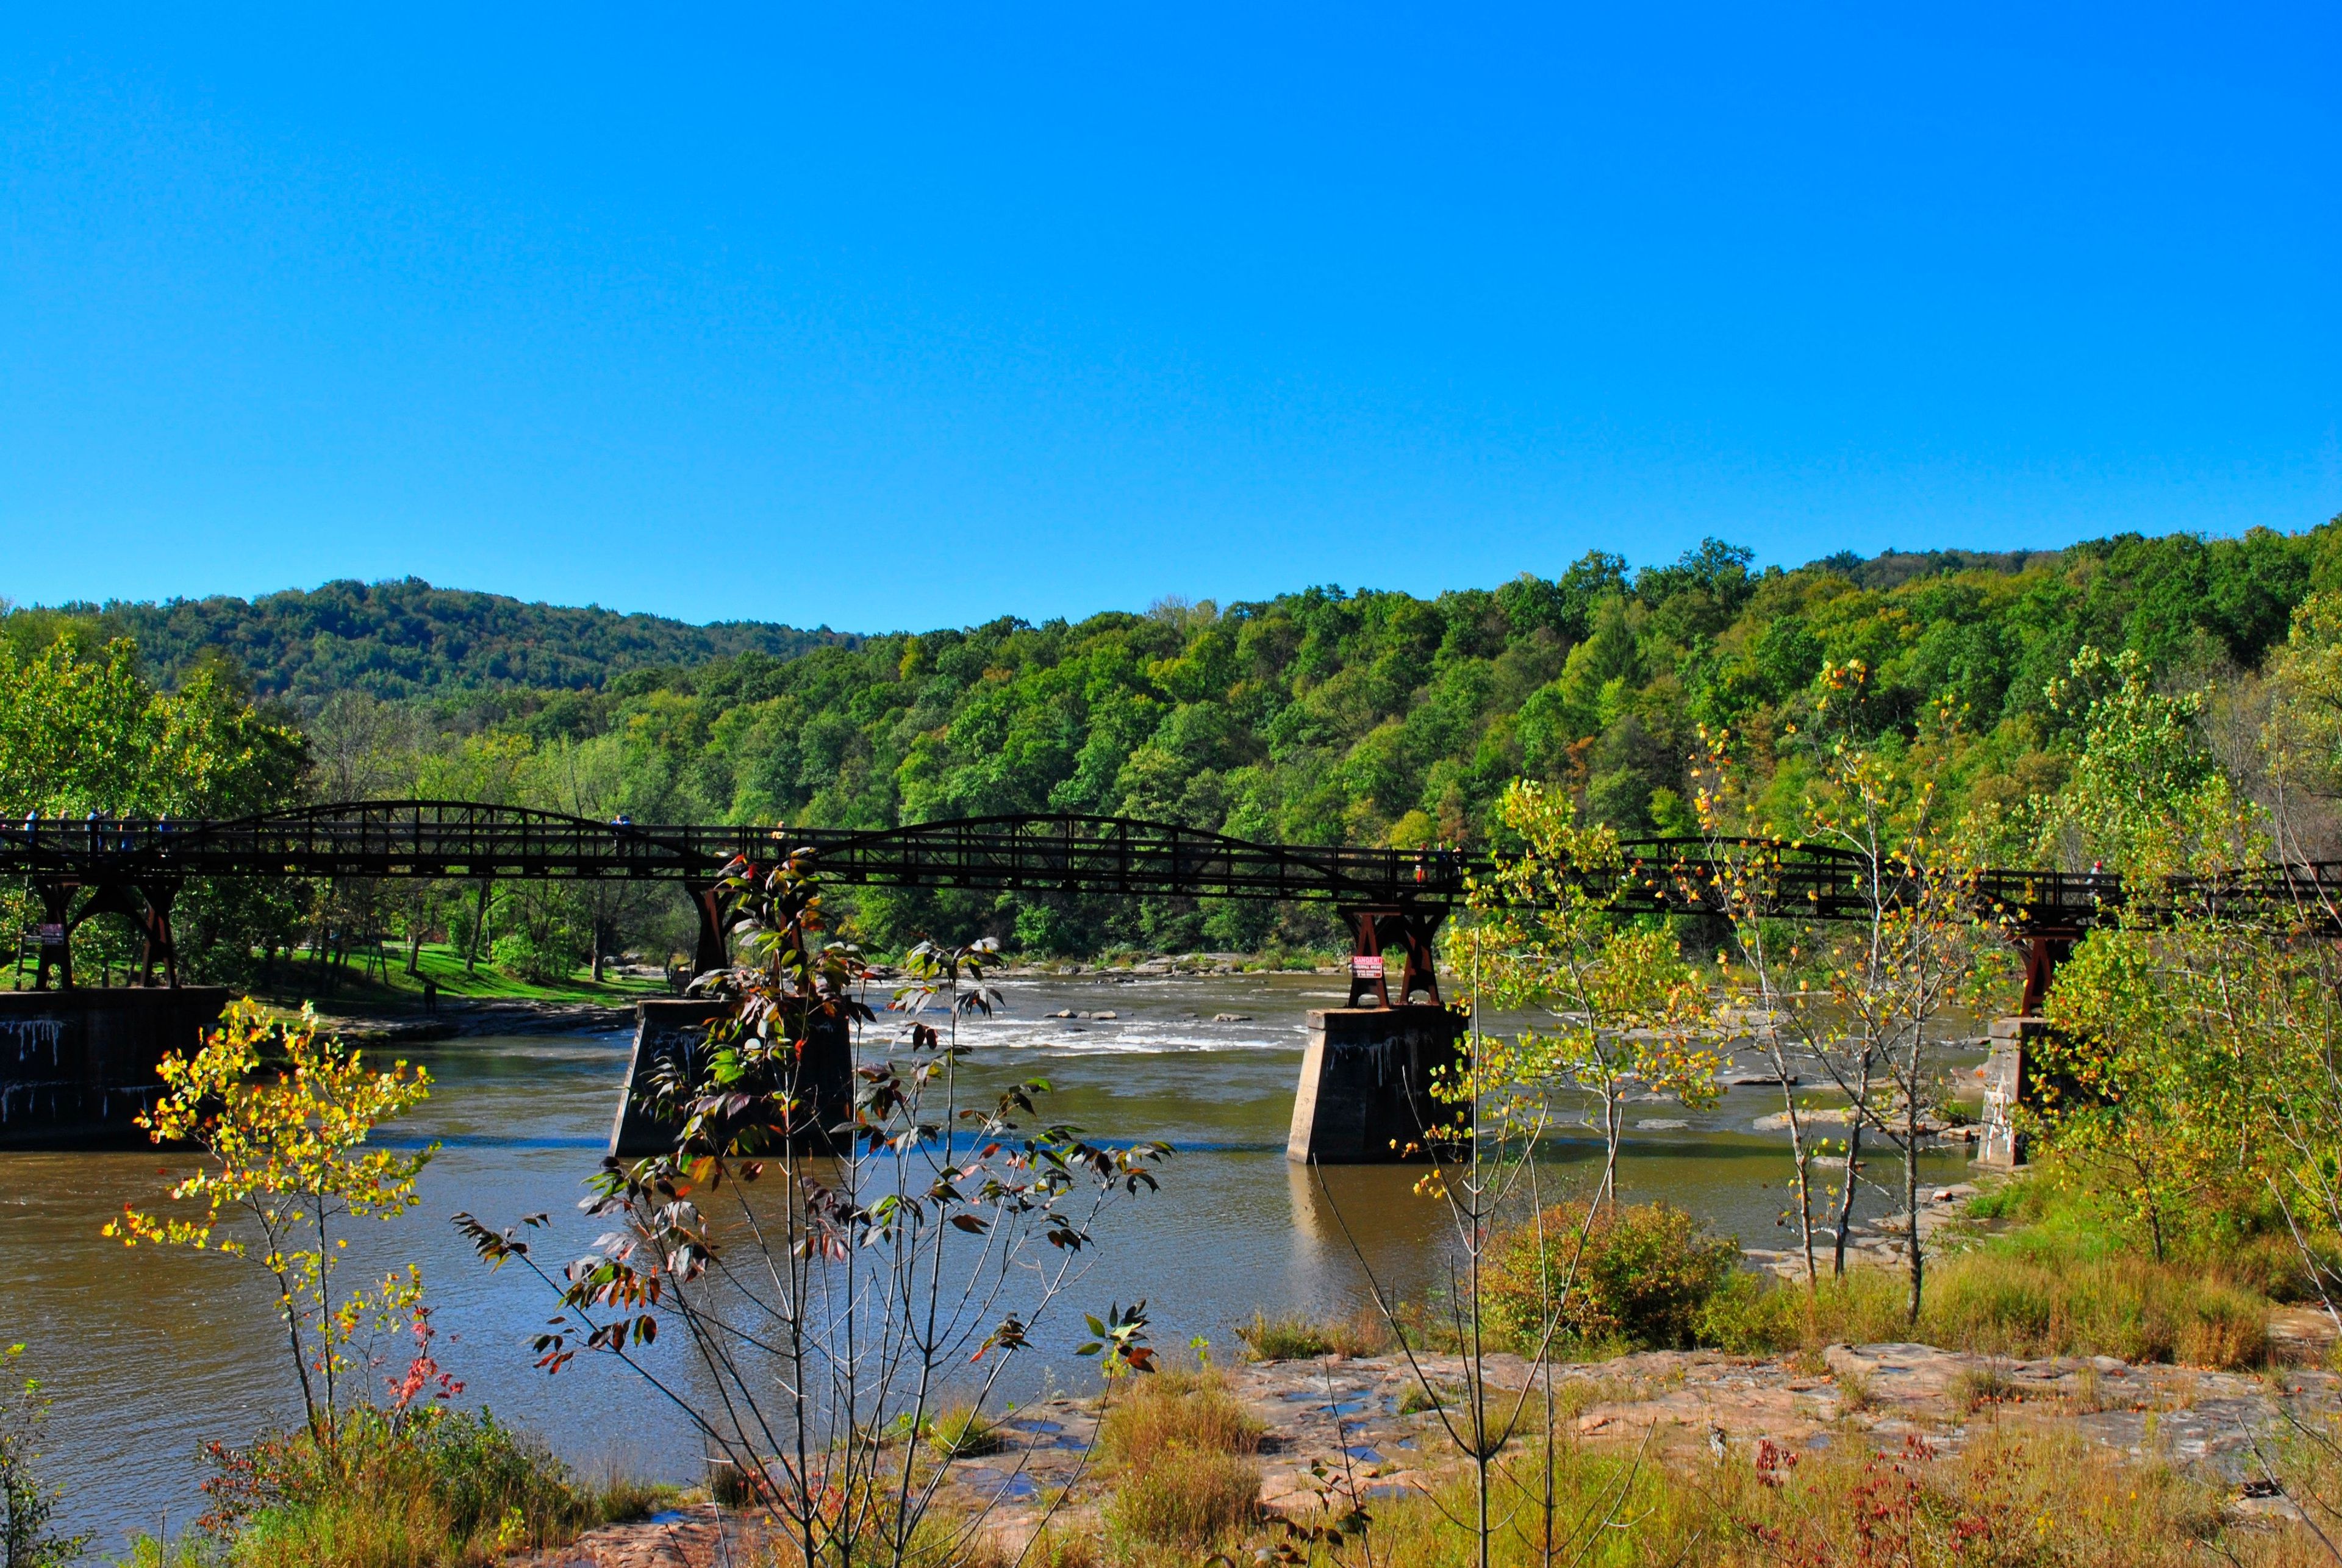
1296,1336
1178,1447
2009,1498
2003,1303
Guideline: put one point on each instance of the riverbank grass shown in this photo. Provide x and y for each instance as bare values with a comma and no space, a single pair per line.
1994,1303
963,1432
1651,1278
2009,1497
391,989
1178,1447
1296,1336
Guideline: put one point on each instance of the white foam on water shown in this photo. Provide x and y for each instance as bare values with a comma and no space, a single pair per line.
1118,1036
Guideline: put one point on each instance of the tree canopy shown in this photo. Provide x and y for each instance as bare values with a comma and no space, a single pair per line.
398,638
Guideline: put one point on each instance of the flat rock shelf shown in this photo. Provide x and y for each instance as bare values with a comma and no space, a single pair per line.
1334,1426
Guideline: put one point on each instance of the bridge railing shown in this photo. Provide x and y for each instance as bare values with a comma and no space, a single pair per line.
1056,853
402,839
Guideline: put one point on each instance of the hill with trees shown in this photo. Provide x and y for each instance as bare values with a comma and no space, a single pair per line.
1316,716
397,639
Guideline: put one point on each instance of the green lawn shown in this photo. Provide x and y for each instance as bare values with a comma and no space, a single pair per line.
303,981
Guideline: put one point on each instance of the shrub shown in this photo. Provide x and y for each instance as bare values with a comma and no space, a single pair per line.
185,1551
26,1503
2239,1233
2008,1497
1758,1314
1046,1550
962,1434
1973,1387
1642,1278
2007,1200
623,1497
729,1485
1417,1397
2270,1264
1181,1497
428,1488
1290,1337
2090,1394
1856,1391
2001,1303
2224,1327
538,960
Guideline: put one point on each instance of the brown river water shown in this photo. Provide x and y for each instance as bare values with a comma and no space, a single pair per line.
150,1352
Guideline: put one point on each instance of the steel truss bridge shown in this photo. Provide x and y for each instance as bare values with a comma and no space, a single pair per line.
1392,897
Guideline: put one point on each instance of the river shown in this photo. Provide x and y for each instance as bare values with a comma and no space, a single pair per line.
149,1352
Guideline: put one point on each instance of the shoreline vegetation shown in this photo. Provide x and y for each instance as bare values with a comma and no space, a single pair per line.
2057,1403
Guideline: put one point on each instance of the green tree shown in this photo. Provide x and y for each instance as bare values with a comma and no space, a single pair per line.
26,1503
82,733
1314,717
2192,1069
1626,1011
1913,950
282,1116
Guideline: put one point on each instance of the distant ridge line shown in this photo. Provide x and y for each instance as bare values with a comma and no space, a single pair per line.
407,638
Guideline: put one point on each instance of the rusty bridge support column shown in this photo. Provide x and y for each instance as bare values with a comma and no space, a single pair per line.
56,935
1380,929
146,905
2044,952
714,950
162,945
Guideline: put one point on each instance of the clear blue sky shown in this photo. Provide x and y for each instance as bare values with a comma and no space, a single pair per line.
905,316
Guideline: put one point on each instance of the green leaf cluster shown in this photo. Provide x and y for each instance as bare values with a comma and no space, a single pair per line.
82,731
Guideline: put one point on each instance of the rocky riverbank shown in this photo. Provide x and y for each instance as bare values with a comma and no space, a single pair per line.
1343,1429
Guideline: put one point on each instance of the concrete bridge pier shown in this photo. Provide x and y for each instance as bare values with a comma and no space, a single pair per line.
1365,1096
76,1064
2007,1083
669,1030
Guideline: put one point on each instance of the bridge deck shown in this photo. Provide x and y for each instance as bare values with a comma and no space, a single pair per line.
1044,853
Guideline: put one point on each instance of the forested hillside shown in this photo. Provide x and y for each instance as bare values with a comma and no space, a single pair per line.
399,638
1380,717
1316,716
